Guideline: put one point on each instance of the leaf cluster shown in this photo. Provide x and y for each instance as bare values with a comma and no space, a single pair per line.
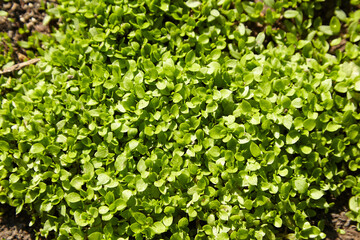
163,119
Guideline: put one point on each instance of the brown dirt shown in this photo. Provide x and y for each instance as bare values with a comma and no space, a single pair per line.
341,221
27,15
14,226
337,219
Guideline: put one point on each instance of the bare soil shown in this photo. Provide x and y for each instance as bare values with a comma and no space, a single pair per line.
24,18
336,219
14,226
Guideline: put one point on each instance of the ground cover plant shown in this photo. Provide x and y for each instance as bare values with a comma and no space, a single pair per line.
186,120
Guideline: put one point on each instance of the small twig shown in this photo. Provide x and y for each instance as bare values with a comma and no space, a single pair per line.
19,66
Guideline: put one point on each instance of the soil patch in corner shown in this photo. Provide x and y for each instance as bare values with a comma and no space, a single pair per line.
336,219
24,17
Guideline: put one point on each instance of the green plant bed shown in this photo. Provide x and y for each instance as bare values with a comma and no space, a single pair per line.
185,120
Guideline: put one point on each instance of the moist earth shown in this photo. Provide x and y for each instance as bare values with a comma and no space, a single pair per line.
23,18
14,226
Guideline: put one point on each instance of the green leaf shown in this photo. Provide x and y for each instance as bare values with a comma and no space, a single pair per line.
4,146
248,204
141,185
203,39
340,14
288,121
335,25
278,222
193,3
120,163
218,132
309,124
297,103
214,13
72,197
254,149
214,151
260,38
269,3
109,198
159,227
279,85
357,86
195,67
332,127
103,210
119,204
77,182
223,236
167,221
290,13
246,106
177,97
143,104
37,148
243,233
316,194
311,232
53,149
225,93
292,137
190,57
354,203
95,236
102,152
139,217
265,105
326,85
300,185
141,166
305,149
133,144
326,30
3,13
76,232
215,54
148,130
183,222
169,68
177,161
110,84
24,44
103,178
253,180
211,107
135,227
88,171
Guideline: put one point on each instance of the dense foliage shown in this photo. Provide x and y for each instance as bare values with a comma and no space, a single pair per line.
186,120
